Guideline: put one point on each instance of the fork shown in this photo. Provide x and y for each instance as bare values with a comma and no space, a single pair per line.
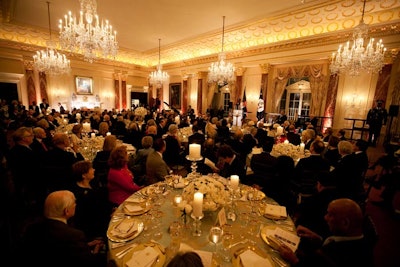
125,250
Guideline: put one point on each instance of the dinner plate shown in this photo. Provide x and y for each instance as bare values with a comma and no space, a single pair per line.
157,247
115,238
135,213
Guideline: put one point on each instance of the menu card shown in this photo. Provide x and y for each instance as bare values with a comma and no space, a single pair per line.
276,211
280,236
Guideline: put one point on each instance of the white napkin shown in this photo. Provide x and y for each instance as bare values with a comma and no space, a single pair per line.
133,208
143,258
125,229
135,200
249,259
179,185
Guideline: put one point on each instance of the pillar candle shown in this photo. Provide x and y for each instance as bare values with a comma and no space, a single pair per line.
93,135
108,133
302,147
234,181
177,199
194,151
198,204
86,127
286,142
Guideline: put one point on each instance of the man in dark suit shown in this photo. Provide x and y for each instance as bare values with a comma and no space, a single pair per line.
232,164
35,108
52,242
293,137
156,167
308,169
347,246
44,105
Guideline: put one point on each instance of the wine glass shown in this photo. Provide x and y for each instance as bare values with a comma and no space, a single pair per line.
215,235
251,194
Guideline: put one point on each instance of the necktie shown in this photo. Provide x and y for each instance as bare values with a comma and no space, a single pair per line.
44,146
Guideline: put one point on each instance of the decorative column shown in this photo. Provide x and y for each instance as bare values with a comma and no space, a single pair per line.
330,103
184,102
30,81
116,90
264,82
237,92
199,93
43,85
382,86
123,90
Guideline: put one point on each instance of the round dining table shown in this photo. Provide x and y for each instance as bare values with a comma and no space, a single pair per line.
152,225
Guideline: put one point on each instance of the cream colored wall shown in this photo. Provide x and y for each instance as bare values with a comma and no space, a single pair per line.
354,98
252,83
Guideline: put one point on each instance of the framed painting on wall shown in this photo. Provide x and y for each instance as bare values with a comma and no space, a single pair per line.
83,85
175,95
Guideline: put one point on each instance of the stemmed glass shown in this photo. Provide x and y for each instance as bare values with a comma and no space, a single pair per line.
215,235
251,195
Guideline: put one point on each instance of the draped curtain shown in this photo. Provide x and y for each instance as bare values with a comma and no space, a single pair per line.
43,85
318,84
31,86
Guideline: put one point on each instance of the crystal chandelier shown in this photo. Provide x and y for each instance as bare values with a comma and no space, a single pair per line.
158,77
88,36
50,61
221,72
356,59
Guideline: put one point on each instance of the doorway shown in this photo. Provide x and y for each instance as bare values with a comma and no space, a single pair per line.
8,92
139,99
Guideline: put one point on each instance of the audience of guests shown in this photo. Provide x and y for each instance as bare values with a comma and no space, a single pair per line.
120,182
93,210
51,241
156,167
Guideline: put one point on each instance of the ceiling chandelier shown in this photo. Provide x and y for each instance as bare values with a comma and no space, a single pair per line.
50,61
221,72
88,36
356,59
158,77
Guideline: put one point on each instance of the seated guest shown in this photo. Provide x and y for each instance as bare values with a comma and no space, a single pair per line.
348,173
52,241
182,259
341,134
137,164
173,154
331,153
57,165
309,168
197,137
328,133
236,143
292,136
231,163
76,136
360,154
100,161
311,212
223,133
120,183
93,211
104,128
347,246
307,137
156,167
39,144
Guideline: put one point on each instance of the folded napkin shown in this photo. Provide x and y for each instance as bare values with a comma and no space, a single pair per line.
179,185
133,208
249,259
135,200
143,258
125,228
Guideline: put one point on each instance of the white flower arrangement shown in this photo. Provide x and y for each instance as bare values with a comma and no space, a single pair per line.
290,150
215,194
140,111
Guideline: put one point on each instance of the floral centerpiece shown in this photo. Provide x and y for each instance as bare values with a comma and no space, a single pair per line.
215,194
140,111
290,150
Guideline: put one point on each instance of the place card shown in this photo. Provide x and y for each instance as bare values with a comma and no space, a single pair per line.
275,211
222,217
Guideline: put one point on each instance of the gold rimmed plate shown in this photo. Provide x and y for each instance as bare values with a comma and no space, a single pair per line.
158,262
116,233
133,209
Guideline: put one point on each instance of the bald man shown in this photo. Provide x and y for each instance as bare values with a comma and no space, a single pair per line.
347,246
52,242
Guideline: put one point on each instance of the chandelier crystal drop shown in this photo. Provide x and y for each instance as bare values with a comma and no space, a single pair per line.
50,60
88,35
221,72
357,58
158,77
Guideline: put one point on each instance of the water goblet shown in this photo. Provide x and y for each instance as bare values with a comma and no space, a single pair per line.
215,236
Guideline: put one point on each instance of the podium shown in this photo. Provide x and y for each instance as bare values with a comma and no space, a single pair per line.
237,117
